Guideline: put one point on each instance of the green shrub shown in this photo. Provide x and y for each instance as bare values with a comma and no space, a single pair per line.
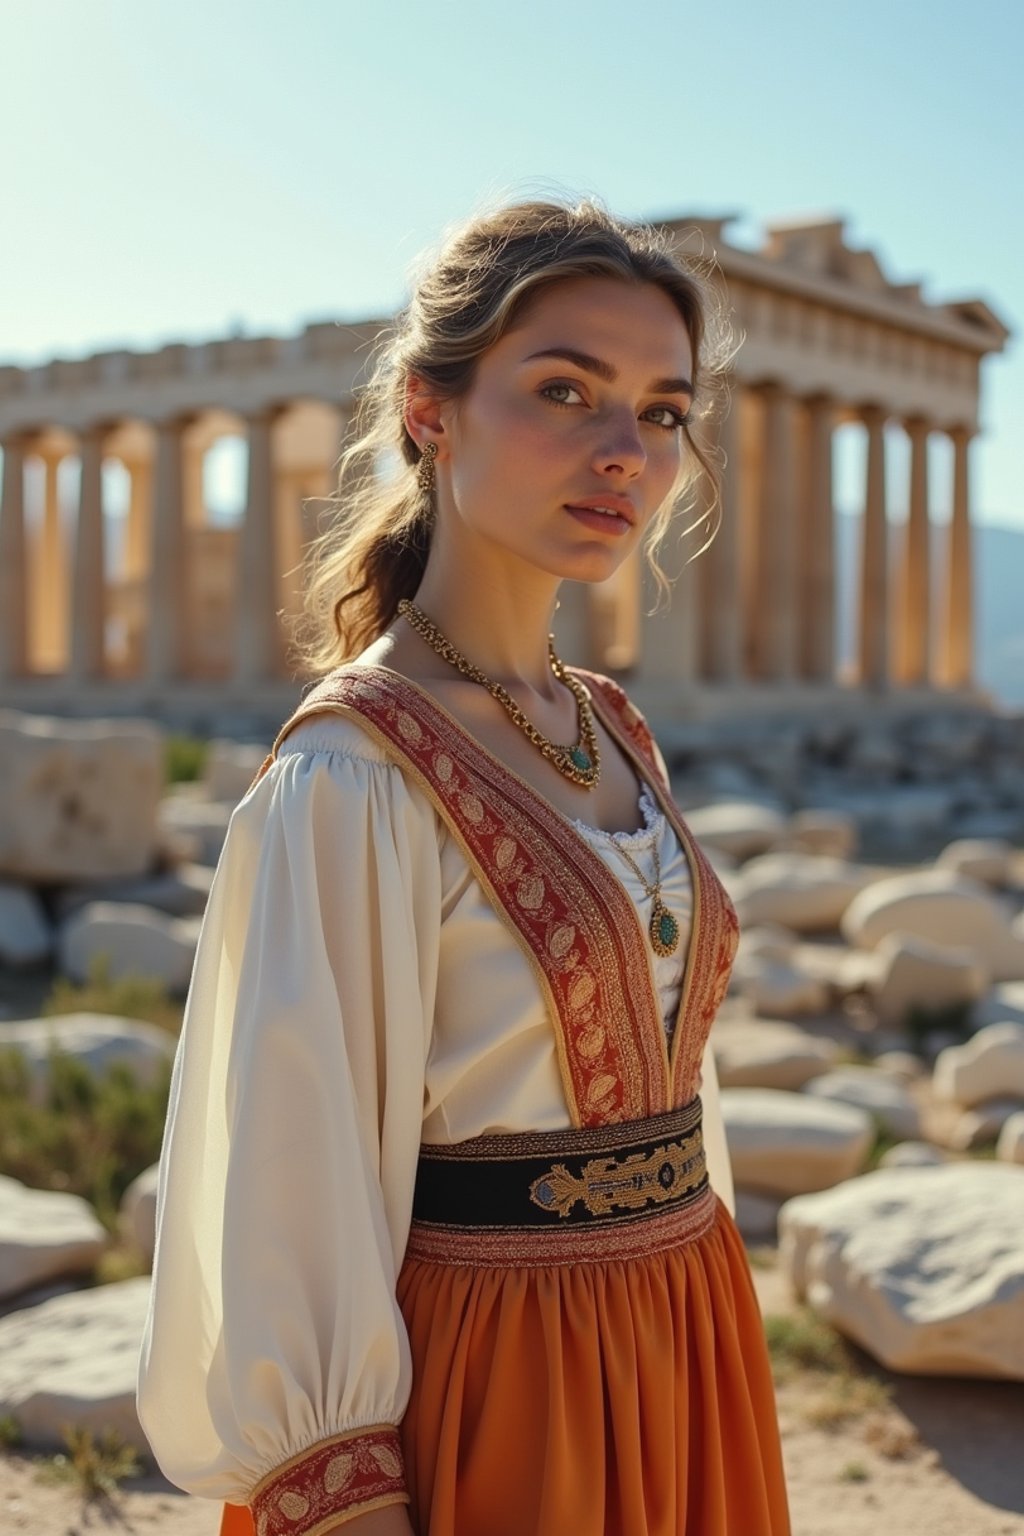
130,997
10,1433
95,1464
184,758
91,1134
801,1340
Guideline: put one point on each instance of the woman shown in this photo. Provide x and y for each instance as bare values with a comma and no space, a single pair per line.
437,1248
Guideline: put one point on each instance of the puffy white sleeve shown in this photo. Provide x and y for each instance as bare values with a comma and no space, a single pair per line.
275,1366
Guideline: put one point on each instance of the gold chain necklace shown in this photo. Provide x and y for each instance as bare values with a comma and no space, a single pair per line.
580,762
663,926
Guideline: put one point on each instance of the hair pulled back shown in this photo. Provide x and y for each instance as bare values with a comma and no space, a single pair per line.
489,269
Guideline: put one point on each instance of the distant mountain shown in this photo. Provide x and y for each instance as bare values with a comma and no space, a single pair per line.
998,599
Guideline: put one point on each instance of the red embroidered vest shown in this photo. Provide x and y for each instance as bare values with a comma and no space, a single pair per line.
575,921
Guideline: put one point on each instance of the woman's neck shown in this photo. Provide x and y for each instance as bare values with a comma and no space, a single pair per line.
500,619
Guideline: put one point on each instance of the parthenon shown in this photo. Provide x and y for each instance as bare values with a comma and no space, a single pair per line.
192,613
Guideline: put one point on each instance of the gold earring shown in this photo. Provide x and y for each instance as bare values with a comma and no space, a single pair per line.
425,473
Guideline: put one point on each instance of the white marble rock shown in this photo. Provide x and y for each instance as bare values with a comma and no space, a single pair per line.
805,892
138,941
44,1234
888,1102
739,827
79,797
1010,1146
917,973
828,832
763,1053
789,1143
922,1267
987,859
989,1065
778,989
901,1066
944,908
95,1039
75,1359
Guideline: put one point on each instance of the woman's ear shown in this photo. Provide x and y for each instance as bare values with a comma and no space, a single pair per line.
423,414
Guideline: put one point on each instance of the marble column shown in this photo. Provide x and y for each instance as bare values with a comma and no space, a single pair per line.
722,649
913,619
873,594
88,591
956,661
13,610
193,458
816,604
668,638
257,634
139,532
49,585
168,616
774,615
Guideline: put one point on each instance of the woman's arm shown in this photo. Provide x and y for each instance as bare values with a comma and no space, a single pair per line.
275,1366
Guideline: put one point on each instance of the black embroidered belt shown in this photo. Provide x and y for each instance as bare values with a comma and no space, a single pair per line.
472,1195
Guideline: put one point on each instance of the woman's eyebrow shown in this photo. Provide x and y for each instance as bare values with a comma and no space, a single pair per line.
607,372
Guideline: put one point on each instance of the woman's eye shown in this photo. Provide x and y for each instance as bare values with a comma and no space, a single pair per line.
675,421
546,392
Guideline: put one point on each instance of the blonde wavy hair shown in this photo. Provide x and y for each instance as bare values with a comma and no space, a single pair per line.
374,547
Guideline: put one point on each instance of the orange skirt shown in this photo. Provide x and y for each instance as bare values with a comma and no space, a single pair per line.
608,1382
623,1398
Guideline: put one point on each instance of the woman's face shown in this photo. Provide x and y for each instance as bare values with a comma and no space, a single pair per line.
536,434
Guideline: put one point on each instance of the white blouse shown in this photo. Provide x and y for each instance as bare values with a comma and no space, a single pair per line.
354,993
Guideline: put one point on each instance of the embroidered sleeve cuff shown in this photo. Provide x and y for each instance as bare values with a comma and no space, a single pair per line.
331,1482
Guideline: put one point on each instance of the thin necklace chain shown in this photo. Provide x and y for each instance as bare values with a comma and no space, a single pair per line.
663,927
580,762
649,890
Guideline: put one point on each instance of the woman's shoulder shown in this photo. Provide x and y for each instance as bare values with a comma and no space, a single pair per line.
328,718
326,770
331,730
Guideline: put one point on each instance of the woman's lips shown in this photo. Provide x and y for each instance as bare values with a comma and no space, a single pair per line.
605,522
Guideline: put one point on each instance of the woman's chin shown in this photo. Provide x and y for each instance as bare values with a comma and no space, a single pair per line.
592,565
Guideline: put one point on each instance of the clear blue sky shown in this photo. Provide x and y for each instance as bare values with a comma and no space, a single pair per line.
174,169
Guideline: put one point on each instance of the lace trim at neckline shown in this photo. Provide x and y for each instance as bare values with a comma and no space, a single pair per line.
643,837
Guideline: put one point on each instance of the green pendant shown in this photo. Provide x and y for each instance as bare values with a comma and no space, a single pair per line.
664,930
580,759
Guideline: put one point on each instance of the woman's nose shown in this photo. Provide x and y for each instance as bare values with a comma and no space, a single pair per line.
621,444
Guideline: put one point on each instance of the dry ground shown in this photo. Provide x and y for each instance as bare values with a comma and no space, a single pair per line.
918,1457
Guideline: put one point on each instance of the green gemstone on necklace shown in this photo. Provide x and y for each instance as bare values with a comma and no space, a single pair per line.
664,929
580,759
